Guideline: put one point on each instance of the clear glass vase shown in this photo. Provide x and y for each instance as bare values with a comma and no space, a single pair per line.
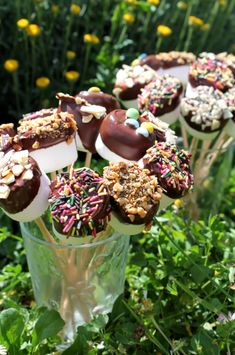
80,281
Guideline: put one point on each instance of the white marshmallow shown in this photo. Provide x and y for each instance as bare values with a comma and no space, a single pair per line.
38,206
230,128
190,90
171,117
125,228
179,71
165,202
198,134
79,145
55,157
106,153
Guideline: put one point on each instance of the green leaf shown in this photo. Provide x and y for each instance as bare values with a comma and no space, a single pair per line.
80,345
48,325
11,326
199,273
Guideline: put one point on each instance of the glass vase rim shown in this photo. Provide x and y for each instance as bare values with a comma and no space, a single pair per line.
114,235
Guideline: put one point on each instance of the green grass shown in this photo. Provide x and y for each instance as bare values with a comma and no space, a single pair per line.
179,293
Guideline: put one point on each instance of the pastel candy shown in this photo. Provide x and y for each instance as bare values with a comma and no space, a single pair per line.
132,122
132,113
143,131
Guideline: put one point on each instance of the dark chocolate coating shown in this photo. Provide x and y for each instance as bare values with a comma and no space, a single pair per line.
207,129
123,217
27,139
123,140
22,192
152,61
100,99
168,190
201,81
131,93
87,132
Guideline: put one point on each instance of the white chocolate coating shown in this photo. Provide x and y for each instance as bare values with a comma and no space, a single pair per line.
55,157
171,117
79,145
190,90
130,103
230,128
179,71
165,202
38,206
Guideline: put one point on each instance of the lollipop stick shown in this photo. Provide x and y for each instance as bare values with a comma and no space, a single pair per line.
45,233
184,136
227,143
199,164
193,149
88,160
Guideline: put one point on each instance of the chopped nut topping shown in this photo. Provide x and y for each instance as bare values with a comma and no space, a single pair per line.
133,188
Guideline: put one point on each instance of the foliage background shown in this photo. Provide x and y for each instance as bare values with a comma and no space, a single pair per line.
179,292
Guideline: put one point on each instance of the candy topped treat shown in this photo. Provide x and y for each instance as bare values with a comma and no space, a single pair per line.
95,96
171,166
79,204
126,135
24,188
209,71
173,63
50,139
135,196
228,59
7,133
206,113
129,81
87,116
162,98
230,100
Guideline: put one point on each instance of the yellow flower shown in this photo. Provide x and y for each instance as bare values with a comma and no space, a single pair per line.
193,20
178,203
131,2
90,38
33,30
205,27
70,54
11,65
72,75
153,2
22,23
55,9
75,9
164,31
182,5
223,2
128,17
42,82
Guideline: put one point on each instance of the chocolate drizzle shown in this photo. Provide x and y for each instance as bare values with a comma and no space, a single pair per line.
101,99
166,60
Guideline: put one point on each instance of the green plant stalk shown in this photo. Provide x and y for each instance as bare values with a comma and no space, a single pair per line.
16,89
151,337
159,43
122,34
189,38
185,25
66,38
33,61
86,61
161,332
211,21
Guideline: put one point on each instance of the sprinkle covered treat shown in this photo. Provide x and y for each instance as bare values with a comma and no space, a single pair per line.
135,196
79,204
171,166
24,189
88,118
49,139
205,114
162,98
125,135
228,59
209,71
